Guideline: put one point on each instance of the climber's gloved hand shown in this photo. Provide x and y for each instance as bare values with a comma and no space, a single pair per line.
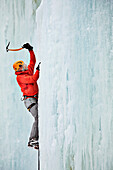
27,46
38,67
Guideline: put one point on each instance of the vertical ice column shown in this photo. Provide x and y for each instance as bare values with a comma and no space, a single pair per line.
75,47
17,26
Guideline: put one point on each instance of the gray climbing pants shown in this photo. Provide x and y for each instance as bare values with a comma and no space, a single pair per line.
34,112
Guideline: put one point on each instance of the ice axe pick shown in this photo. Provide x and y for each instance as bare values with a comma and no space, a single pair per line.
7,49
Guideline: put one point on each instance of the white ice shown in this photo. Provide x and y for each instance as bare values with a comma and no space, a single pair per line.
76,96
73,40
18,25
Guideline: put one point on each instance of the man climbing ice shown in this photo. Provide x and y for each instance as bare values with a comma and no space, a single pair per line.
28,84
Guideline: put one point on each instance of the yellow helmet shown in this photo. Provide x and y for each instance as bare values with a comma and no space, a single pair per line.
17,65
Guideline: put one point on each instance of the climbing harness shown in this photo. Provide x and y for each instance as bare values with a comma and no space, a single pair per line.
25,97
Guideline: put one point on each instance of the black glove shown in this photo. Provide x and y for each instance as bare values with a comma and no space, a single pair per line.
38,67
27,46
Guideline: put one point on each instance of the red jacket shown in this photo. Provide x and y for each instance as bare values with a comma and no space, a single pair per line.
27,80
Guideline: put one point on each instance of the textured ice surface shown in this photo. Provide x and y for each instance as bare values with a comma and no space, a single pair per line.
76,96
17,26
73,40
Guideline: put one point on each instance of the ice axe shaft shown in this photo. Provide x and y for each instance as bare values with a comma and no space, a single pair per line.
15,49
7,49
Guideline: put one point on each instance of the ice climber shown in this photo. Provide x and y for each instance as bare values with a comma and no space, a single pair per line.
28,84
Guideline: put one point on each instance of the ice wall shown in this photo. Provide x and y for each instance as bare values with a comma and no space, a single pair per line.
76,97
18,25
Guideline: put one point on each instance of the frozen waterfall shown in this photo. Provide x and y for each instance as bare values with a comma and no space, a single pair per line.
75,47
73,40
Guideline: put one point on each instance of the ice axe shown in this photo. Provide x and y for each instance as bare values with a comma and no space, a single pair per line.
7,49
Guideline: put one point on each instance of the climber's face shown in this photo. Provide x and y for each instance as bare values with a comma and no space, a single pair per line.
23,67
